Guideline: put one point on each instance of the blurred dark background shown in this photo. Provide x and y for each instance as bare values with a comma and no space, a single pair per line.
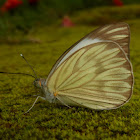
22,15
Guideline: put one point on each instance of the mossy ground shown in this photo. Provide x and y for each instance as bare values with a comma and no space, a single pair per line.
48,121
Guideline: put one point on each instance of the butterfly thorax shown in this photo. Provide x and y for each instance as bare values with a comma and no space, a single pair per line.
41,83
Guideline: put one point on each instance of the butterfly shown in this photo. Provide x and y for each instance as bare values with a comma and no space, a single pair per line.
95,72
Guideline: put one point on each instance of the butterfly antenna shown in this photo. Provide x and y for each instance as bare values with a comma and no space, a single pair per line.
18,73
29,65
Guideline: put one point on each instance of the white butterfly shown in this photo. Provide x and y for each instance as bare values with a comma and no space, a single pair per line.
95,72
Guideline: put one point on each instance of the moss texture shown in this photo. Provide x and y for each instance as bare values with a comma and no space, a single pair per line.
48,121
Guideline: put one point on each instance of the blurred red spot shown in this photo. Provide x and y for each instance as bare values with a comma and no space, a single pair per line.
10,4
118,2
67,22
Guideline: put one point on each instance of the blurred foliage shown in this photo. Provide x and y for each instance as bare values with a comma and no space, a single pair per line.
131,1
97,16
48,121
26,17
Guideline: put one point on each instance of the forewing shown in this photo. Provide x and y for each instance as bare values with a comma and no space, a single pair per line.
118,33
98,76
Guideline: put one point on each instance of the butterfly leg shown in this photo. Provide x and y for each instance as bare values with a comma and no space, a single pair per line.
36,95
34,103
62,102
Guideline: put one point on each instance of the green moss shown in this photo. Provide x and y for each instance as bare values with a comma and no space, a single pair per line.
24,18
104,15
48,121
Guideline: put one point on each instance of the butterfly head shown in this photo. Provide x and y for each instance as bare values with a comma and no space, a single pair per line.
39,82
45,94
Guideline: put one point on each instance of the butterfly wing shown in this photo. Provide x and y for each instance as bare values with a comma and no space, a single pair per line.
118,33
98,76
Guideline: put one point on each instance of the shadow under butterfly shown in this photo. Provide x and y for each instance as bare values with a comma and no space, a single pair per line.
95,72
